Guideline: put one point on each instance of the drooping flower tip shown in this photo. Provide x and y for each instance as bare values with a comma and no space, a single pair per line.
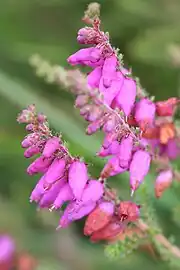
77,178
163,182
139,168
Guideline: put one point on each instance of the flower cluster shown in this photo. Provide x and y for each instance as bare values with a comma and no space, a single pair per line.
114,102
65,180
137,131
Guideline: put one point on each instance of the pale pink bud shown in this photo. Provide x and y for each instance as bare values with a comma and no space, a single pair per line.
139,168
29,127
145,111
125,99
93,78
85,109
125,151
50,147
65,194
55,172
40,165
50,195
87,35
78,177
42,118
31,151
112,168
94,114
81,101
7,251
163,181
111,150
93,127
110,124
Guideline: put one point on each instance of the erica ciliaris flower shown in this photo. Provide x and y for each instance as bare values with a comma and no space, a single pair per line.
135,129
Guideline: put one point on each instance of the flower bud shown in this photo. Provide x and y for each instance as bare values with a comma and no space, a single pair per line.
50,195
93,127
99,218
172,149
163,181
93,78
126,96
128,211
50,147
92,192
167,132
111,230
139,168
40,165
94,114
111,150
71,213
65,194
89,56
87,35
145,112
38,191
55,172
77,177
31,151
110,124
167,107
81,101
112,168
109,70
125,151
7,251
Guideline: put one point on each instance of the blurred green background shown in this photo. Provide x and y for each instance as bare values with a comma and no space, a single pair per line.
146,32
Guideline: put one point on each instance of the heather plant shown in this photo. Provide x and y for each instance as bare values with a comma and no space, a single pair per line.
139,133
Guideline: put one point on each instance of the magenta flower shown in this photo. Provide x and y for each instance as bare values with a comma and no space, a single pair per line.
55,172
92,192
77,178
111,150
125,151
31,151
50,195
89,56
112,168
139,168
145,111
50,147
110,93
94,77
125,98
71,213
109,71
65,194
38,191
40,165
